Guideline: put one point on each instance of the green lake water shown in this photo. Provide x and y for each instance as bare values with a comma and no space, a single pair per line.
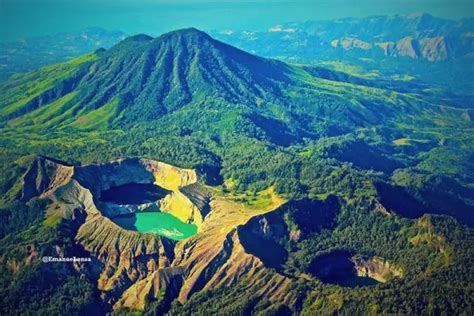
162,224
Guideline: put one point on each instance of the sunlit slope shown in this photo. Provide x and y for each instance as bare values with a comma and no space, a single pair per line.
23,93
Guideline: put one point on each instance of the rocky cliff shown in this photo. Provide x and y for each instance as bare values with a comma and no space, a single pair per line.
428,48
134,268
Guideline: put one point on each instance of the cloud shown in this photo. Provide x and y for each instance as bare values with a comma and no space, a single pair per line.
278,28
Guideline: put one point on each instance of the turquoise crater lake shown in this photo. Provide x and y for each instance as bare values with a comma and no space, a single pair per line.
162,224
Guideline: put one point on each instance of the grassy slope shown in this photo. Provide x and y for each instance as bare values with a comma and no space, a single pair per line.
22,88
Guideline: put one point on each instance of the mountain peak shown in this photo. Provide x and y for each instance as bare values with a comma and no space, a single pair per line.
186,31
139,38
187,34
146,77
418,15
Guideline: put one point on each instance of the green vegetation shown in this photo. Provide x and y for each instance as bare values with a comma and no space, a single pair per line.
407,141
19,91
254,127
98,119
28,285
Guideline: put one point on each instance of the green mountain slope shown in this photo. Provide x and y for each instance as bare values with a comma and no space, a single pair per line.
143,79
152,77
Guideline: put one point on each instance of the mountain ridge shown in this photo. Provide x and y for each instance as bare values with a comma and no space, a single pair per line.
144,79
318,39
172,68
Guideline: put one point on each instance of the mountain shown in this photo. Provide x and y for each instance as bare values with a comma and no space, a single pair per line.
388,28
431,49
176,69
30,53
144,79
412,36
163,75
417,47
196,178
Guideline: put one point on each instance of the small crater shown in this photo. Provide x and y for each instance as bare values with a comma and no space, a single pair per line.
338,267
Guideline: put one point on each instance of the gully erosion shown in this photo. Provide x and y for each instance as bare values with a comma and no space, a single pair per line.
156,232
189,242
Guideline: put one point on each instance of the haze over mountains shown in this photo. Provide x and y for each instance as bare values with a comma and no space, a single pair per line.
400,47
419,36
406,37
30,53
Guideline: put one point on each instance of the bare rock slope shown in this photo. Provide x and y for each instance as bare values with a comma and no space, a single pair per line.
133,268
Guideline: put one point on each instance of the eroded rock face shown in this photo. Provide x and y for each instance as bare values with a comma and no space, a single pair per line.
216,256
262,236
133,268
376,268
126,256
43,176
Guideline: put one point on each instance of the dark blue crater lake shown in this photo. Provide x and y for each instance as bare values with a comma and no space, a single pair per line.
133,193
338,268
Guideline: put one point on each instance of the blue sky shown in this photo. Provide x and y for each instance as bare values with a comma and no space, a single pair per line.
24,18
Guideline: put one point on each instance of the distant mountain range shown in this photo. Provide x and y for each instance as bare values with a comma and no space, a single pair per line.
31,53
411,36
143,79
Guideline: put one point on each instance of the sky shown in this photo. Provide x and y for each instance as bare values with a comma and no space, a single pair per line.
27,18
